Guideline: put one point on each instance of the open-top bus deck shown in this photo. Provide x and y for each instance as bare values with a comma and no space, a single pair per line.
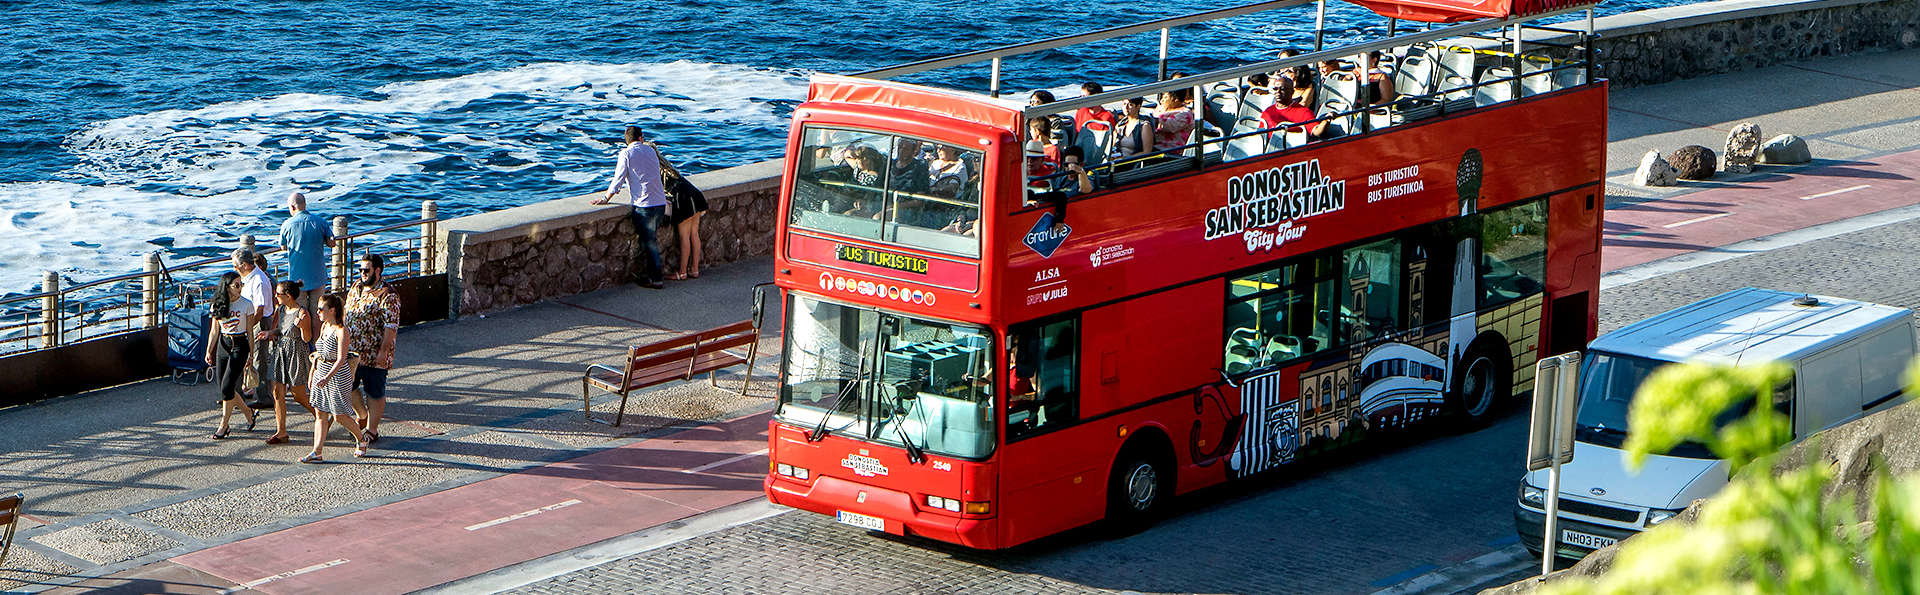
985,345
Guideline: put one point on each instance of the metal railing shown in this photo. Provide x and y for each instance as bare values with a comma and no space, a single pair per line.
57,315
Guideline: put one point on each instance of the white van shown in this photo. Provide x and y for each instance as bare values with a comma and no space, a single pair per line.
1847,357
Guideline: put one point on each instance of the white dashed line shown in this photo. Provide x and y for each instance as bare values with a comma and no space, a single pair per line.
285,575
725,461
1695,220
1833,192
522,515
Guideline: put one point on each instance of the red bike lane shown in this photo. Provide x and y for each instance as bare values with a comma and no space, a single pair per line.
1728,213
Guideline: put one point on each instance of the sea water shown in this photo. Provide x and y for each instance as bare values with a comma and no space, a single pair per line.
129,126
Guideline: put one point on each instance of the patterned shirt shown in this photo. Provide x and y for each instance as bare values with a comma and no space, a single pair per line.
370,312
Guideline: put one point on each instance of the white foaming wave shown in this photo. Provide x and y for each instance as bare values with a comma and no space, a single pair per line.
184,173
74,228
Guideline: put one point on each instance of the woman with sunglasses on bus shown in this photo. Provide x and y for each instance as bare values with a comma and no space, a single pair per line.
331,380
288,354
234,316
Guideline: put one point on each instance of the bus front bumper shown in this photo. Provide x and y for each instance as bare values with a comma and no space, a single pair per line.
831,495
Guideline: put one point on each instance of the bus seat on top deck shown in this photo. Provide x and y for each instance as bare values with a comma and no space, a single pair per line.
1492,89
1414,76
1534,79
1095,139
1251,145
1453,72
1222,106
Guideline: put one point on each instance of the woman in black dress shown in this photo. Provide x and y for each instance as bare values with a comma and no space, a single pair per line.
233,321
687,205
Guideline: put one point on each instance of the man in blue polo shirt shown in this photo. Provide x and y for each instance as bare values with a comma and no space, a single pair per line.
305,236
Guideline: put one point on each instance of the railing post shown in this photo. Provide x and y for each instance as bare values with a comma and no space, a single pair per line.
993,82
1165,34
50,310
342,253
246,241
1319,25
429,210
1519,62
150,292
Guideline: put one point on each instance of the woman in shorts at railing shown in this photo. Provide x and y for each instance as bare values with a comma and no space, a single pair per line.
288,356
234,316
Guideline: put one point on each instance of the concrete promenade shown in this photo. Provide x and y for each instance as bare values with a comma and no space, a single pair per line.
485,462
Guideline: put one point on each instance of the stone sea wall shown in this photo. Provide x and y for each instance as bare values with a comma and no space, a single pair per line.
1666,44
525,254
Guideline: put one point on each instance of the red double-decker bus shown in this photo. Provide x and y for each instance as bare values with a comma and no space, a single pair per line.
985,346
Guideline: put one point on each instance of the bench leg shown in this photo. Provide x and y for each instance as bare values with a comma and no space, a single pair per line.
747,379
586,404
622,413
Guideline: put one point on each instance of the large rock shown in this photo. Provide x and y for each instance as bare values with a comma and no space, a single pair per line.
1743,147
1655,171
1785,149
1694,162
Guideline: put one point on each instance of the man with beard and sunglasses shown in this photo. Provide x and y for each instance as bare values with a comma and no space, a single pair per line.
373,323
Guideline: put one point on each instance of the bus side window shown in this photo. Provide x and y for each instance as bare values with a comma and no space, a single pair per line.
1042,390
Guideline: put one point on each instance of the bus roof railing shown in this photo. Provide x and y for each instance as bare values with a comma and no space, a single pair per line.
1075,39
1237,72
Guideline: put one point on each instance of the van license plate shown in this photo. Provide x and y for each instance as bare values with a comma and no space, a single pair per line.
872,523
1572,537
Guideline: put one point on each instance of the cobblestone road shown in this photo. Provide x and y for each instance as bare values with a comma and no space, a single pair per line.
1370,523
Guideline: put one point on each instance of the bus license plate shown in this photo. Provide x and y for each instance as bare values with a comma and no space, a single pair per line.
1572,537
871,523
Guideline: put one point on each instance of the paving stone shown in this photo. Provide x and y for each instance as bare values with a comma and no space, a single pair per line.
105,542
343,482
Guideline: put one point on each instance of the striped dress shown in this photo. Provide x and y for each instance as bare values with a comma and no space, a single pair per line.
330,394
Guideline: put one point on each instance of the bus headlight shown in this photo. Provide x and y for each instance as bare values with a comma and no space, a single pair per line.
791,471
947,504
1532,496
1657,516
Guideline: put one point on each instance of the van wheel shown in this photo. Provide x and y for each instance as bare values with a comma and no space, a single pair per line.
1137,491
1482,382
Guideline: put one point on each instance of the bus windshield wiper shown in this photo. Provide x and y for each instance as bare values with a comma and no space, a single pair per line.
820,431
915,454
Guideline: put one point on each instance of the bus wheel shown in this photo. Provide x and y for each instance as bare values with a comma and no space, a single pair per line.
1479,386
1137,490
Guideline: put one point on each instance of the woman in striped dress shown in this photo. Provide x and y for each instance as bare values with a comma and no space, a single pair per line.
331,380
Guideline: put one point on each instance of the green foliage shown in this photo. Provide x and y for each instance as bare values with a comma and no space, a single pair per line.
1764,533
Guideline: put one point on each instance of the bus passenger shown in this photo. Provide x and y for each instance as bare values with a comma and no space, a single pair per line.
1379,88
1175,120
1287,110
908,172
1136,132
1076,180
1092,113
948,173
1040,141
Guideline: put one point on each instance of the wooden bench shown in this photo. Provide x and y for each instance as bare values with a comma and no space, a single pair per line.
9,516
674,359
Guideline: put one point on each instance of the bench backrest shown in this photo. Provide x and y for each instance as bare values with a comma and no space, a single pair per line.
738,334
641,357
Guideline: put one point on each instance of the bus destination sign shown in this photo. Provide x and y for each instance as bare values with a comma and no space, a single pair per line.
1265,207
881,258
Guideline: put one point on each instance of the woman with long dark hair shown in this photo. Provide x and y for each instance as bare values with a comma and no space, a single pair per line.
234,316
331,379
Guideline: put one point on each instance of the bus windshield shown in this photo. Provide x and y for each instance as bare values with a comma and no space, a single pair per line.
887,378
888,188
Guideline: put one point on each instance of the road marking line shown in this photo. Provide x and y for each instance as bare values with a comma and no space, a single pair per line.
723,462
1833,192
521,515
284,575
1695,220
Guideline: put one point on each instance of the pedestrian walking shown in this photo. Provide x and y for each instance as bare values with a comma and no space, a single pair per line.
233,315
305,237
373,324
289,354
259,292
687,205
331,380
638,170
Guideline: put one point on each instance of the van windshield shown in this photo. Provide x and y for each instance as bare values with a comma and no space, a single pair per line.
1607,384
